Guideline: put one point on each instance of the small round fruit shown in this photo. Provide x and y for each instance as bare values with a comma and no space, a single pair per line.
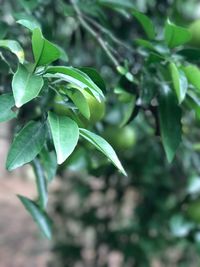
194,28
193,211
97,109
120,138
59,107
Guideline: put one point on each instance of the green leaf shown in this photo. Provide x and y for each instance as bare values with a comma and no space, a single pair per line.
40,217
14,47
193,75
145,43
179,82
103,146
79,100
76,77
95,77
6,103
155,58
26,145
176,35
41,183
44,51
29,24
49,162
170,123
128,109
26,86
146,24
65,135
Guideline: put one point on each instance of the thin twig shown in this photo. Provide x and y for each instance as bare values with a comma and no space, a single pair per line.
94,34
109,34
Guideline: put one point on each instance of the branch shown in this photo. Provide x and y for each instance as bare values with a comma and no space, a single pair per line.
94,34
109,33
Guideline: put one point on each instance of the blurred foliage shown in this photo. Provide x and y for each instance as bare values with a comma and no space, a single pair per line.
102,218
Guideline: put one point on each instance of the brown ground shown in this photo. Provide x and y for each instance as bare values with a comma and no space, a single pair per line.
20,242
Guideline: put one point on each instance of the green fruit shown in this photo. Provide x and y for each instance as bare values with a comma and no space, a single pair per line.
194,28
120,138
193,211
97,109
60,107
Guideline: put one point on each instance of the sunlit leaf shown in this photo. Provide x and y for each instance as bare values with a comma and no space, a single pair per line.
29,24
76,77
44,51
25,85
146,23
65,135
102,145
14,47
176,35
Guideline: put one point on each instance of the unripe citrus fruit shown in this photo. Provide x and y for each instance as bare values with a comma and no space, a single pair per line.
194,28
120,138
193,211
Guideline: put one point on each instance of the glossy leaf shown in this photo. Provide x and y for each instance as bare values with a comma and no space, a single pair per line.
29,24
41,184
6,103
78,78
26,86
176,35
145,43
26,145
170,123
179,81
40,217
146,24
80,101
103,146
192,73
95,77
65,135
14,47
44,51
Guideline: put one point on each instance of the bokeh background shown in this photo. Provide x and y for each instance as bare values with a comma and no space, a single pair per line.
100,217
